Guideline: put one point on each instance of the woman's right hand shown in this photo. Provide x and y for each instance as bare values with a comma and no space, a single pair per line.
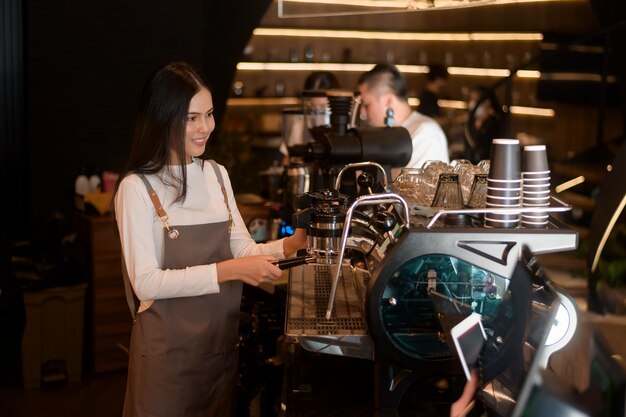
252,270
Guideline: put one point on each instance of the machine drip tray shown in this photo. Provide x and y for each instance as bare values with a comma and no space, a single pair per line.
346,333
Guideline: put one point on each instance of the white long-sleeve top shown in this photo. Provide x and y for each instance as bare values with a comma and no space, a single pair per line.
142,232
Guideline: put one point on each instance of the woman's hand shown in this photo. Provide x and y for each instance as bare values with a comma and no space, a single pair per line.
462,406
294,242
252,270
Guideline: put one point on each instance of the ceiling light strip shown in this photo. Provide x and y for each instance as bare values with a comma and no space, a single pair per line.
303,66
419,5
528,74
269,101
391,4
452,104
532,111
409,69
485,72
399,36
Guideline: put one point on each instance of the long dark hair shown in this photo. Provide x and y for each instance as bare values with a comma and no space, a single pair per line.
160,125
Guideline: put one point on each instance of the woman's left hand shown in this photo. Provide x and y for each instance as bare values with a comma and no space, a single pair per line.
295,242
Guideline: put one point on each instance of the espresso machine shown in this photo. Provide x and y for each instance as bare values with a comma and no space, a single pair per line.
389,290
386,283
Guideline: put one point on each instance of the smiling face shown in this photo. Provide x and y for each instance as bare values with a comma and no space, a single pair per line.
199,124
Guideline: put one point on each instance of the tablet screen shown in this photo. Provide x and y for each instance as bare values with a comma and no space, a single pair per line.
469,338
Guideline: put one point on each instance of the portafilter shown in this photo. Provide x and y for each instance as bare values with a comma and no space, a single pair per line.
322,214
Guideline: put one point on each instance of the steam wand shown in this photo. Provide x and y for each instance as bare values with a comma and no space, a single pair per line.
363,200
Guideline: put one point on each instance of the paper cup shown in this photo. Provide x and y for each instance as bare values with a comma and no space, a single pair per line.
534,205
505,159
536,175
536,193
500,225
534,225
535,159
503,218
504,188
503,193
502,202
534,186
499,182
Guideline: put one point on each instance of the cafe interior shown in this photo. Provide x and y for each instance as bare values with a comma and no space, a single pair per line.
522,242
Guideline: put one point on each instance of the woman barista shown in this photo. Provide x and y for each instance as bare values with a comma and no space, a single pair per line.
186,251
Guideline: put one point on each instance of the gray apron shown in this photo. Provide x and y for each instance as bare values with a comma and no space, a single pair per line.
183,351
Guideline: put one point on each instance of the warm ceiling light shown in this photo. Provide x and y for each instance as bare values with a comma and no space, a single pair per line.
485,72
390,4
535,1
528,74
532,111
270,101
322,66
399,36
416,4
407,69
452,104
303,66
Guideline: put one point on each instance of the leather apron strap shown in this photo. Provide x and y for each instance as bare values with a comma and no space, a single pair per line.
218,174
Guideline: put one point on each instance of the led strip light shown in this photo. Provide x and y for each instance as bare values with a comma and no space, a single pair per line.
409,69
400,36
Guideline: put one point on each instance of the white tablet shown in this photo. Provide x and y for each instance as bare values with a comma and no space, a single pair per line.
469,337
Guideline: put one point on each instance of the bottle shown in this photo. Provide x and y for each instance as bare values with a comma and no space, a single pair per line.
81,185
308,53
95,183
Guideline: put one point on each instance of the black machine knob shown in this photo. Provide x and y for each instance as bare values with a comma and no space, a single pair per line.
365,181
385,221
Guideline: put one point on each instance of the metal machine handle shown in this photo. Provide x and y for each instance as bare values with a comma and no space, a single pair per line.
360,201
361,164
293,262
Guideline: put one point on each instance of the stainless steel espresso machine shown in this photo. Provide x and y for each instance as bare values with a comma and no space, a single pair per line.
386,283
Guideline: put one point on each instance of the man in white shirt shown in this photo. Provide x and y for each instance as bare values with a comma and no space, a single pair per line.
384,101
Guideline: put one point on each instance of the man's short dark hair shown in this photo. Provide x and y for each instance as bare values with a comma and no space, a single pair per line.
385,77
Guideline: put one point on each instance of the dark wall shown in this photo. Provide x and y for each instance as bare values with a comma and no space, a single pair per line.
612,14
13,148
85,65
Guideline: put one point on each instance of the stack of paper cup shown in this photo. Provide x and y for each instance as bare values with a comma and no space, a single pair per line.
536,186
504,183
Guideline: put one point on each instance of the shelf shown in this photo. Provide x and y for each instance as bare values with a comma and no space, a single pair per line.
448,104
